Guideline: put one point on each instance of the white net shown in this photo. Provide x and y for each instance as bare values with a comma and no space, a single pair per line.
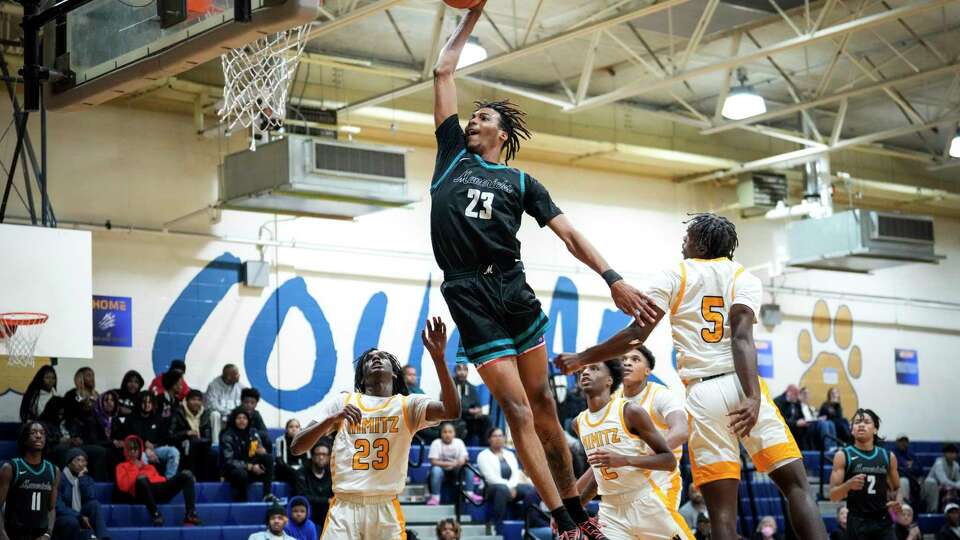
18,335
257,79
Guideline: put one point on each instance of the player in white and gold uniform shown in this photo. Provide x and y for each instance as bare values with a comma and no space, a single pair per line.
623,448
375,427
665,409
712,303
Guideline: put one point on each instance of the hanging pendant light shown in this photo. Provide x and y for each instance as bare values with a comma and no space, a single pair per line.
743,101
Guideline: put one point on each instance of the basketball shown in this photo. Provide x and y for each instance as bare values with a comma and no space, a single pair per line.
462,4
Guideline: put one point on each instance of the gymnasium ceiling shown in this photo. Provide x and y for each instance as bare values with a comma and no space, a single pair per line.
878,80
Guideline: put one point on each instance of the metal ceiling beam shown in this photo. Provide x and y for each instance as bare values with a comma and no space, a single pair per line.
797,157
587,72
351,17
698,33
647,85
840,96
509,88
533,48
361,66
435,37
531,23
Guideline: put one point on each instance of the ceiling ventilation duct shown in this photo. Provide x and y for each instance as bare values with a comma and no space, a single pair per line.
308,176
861,241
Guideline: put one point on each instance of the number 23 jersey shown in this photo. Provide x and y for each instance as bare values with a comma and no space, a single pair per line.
477,206
371,457
697,295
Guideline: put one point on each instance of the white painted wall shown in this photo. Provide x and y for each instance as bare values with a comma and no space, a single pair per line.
142,169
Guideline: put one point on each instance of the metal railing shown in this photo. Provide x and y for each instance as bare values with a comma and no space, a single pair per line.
527,518
462,494
420,447
823,465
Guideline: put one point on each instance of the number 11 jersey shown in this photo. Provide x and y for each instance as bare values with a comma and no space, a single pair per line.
477,206
371,457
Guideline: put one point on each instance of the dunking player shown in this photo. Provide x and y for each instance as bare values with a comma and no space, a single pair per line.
28,489
375,426
865,474
476,212
623,446
712,302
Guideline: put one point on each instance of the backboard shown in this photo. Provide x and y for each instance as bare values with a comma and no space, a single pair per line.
50,271
110,47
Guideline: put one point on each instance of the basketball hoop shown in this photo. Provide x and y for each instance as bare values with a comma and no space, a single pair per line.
19,332
257,80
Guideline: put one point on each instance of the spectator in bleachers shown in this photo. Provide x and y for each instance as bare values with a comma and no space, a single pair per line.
156,385
909,469
905,527
789,404
245,457
833,411
79,515
299,525
276,523
82,395
821,433
223,396
950,529
41,389
168,395
192,433
504,481
412,380
28,488
840,533
58,440
448,529
572,405
694,506
447,457
92,425
249,399
288,465
473,425
141,481
315,483
767,530
702,530
943,480
128,395
154,431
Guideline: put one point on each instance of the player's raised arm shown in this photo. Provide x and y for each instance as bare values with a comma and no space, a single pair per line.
308,437
435,340
617,345
744,417
627,299
444,89
640,424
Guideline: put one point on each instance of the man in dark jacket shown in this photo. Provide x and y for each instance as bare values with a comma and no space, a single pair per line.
473,425
249,399
245,457
314,483
79,516
950,529
154,431
192,433
790,408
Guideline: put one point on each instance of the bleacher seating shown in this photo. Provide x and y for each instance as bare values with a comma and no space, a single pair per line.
226,520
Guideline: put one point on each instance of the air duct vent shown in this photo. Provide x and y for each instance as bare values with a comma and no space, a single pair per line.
903,228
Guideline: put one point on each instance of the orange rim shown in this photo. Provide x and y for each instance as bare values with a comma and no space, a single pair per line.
22,318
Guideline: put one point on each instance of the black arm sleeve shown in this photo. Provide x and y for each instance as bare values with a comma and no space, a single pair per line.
450,141
537,202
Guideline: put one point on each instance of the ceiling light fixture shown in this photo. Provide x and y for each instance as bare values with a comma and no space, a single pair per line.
955,145
743,101
472,53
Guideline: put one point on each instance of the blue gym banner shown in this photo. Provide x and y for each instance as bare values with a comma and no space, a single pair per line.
765,358
112,321
907,367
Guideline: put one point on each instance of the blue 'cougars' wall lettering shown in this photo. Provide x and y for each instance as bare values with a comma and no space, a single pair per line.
201,296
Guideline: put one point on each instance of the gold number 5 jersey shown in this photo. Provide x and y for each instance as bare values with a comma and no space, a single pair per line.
698,295
370,458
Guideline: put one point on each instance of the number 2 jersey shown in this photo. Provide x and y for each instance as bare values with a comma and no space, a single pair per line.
477,206
370,458
607,429
697,294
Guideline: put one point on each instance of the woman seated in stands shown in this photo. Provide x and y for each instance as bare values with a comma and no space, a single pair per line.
245,458
505,482
91,424
288,465
833,412
41,389
128,395
82,395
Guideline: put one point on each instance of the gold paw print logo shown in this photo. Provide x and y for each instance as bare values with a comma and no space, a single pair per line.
828,369
17,378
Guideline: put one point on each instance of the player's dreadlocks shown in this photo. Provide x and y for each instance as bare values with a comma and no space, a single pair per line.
399,383
511,120
714,236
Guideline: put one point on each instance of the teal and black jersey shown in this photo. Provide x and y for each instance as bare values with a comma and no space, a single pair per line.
477,206
27,508
871,501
